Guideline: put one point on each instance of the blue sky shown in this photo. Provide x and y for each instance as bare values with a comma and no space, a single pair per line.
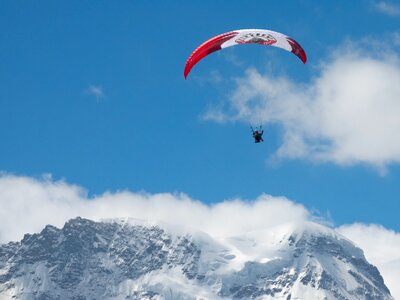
93,93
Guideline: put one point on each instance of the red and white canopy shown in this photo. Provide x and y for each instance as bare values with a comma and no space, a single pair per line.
244,36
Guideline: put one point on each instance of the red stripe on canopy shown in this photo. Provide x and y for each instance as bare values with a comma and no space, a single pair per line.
206,48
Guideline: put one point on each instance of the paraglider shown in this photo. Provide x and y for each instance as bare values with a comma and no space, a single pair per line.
257,134
244,36
240,37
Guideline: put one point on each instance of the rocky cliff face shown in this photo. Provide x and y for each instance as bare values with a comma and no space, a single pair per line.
125,259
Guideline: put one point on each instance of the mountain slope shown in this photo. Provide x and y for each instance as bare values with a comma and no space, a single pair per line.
128,259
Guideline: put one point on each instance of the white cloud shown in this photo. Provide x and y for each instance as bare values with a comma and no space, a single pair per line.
387,8
28,204
348,114
95,90
381,247
37,202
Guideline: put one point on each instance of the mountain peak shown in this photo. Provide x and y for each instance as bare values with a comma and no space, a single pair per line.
135,259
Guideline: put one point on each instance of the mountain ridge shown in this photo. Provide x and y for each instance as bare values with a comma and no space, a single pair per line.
133,259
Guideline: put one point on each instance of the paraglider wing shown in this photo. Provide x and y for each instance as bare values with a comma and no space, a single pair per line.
244,36
206,48
297,50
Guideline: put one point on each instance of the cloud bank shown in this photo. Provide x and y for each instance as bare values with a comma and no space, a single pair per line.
28,204
348,114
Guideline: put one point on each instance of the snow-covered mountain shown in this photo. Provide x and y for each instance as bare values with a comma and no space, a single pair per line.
128,259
